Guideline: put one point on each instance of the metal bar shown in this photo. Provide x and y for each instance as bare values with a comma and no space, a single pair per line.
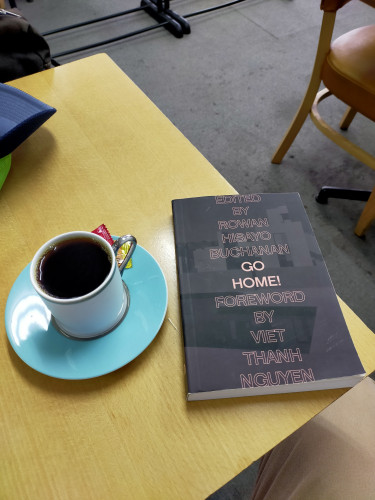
160,5
210,9
133,33
92,21
155,8
104,42
341,193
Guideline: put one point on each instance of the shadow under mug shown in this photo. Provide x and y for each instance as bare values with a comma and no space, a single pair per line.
97,312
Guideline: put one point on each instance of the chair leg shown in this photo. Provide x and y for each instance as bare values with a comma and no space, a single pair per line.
347,118
296,125
328,23
367,216
337,137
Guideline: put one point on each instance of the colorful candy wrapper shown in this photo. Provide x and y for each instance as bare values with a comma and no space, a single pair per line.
104,233
121,254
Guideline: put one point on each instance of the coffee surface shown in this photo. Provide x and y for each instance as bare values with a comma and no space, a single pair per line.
73,268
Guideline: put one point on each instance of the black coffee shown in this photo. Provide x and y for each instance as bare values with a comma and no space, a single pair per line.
73,268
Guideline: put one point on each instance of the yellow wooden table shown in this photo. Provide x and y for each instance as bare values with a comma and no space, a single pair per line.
110,156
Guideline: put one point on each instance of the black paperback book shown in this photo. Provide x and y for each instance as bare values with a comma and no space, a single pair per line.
259,311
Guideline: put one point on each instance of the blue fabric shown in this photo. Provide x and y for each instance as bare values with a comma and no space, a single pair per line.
20,116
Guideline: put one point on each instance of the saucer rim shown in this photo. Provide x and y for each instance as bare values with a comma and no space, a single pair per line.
24,274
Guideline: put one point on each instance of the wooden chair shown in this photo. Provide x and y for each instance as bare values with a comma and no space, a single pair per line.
346,66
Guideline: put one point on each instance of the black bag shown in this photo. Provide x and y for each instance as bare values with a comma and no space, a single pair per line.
23,50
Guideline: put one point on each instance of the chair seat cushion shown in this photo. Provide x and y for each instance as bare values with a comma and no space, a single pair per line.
349,70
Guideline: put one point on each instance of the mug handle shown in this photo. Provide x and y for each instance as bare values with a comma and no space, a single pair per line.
118,244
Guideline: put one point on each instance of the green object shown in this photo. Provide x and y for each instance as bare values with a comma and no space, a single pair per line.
4,168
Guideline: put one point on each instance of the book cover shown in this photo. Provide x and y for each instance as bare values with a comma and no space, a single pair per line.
259,312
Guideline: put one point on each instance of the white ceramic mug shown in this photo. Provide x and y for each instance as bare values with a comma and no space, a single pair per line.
97,312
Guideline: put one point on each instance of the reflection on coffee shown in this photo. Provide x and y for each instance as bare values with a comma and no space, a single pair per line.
73,268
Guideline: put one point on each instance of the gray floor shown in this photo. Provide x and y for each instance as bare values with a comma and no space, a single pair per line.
232,87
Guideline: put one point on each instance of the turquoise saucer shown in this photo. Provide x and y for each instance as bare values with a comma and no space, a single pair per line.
37,342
